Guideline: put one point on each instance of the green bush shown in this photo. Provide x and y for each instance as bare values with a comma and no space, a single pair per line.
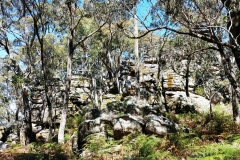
148,145
74,122
199,90
216,151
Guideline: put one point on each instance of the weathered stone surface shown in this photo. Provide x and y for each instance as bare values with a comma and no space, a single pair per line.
175,82
111,124
4,132
3,146
89,127
74,142
150,60
92,114
43,135
159,125
12,137
116,106
125,125
177,100
1,132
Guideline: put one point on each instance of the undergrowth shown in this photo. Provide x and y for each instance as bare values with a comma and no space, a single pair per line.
203,137
207,137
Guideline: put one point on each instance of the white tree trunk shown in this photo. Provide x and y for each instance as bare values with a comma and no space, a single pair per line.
137,85
95,92
62,127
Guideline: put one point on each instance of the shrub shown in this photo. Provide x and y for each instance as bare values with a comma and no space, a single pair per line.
75,121
199,91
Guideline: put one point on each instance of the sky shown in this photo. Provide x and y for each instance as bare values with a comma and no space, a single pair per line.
2,53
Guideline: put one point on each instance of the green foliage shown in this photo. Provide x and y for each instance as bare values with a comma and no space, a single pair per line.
216,151
42,148
199,91
131,146
17,81
173,117
74,122
218,123
95,142
148,145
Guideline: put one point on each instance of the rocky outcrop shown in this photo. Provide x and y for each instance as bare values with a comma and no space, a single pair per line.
175,82
122,118
89,127
80,94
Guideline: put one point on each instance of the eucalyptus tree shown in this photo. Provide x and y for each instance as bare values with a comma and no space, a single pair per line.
76,12
8,113
11,13
131,6
41,28
185,51
212,21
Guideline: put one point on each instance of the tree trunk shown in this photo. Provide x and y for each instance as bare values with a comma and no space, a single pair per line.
136,52
66,97
234,25
164,95
235,108
71,7
159,83
95,92
232,79
101,89
62,125
187,77
118,84
28,119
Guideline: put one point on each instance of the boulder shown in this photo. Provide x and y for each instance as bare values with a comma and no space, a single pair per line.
125,125
12,137
43,135
179,102
89,127
4,132
3,146
159,125
92,114
115,106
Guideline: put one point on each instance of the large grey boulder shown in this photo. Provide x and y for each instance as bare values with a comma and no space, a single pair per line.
3,146
125,125
159,125
89,127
